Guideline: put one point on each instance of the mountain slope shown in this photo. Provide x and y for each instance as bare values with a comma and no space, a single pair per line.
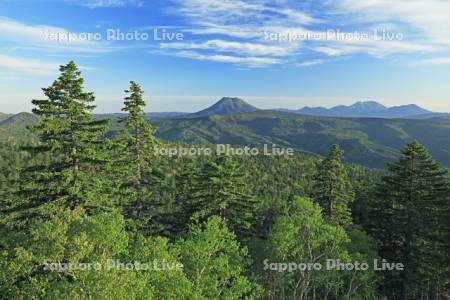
14,127
404,111
371,142
225,106
365,109
168,114
367,141
3,116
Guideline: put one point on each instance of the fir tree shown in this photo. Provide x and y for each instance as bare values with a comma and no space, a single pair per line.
68,133
409,219
221,190
186,174
332,189
137,164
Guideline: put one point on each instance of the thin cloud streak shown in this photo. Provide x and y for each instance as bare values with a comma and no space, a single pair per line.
246,23
48,38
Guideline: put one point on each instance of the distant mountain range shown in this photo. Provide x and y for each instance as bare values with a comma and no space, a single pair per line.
362,109
366,109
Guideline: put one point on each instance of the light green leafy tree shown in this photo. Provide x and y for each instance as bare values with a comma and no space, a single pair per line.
302,236
215,262
67,257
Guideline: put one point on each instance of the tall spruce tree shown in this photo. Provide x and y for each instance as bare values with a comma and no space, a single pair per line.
68,133
332,189
137,164
221,190
185,175
409,219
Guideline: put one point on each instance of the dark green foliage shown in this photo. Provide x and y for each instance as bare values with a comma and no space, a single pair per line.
12,160
187,170
332,190
364,183
369,142
68,131
410,218
221,189
135,162
101,199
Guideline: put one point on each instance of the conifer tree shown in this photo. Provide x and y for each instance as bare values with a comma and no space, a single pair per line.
69,134
137,163
186,174
332,189
221,190
410,219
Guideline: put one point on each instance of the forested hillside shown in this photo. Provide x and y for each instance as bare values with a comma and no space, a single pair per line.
90,211
369,142
3,116
14,127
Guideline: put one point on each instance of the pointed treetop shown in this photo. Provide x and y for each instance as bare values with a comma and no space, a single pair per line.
336,152
134,102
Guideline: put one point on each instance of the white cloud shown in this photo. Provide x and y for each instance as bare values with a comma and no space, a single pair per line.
310,63
110,3
20,65
431,18
424,26
249,61
47,38
30,66
374,48
240,18
333,42
435,61
231,46
236,31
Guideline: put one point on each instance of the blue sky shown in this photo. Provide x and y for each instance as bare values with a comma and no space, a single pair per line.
187,54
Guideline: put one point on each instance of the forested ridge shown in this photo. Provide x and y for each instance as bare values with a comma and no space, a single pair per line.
372,142
86,214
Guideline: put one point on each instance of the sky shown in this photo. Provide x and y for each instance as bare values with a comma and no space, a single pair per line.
187,54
